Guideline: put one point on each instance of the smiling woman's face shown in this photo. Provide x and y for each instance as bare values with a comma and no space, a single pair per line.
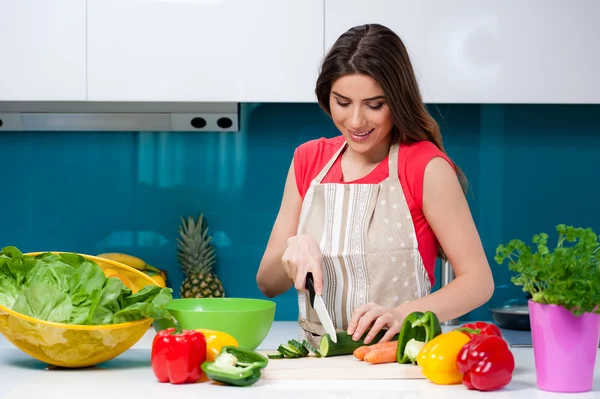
361,113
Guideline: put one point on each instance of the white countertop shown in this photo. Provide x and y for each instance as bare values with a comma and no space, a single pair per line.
130,376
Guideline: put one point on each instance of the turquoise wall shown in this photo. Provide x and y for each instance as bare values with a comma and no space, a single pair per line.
530,167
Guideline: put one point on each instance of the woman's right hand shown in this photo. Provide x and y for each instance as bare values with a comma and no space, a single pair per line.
302,255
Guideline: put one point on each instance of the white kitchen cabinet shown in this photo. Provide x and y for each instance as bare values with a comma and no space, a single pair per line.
42,50
204,50
472,51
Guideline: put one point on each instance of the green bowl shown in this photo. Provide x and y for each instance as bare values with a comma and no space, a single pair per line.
247,320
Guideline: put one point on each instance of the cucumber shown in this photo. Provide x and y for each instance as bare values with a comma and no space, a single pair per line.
298,347
275,356
292,349
311,348
287,351
345,344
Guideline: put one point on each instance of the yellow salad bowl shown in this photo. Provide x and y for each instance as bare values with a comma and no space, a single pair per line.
75,346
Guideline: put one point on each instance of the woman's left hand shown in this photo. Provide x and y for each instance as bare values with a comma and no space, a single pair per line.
374,317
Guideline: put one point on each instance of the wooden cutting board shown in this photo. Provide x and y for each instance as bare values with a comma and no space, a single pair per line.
336,368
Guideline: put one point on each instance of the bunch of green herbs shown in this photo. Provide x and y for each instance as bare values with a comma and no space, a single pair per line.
567,276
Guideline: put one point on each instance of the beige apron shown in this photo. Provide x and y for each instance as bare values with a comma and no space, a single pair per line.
369,247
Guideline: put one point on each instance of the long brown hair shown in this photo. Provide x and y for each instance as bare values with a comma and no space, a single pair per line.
376,51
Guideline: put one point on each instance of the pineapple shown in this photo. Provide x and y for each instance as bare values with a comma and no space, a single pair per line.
196,255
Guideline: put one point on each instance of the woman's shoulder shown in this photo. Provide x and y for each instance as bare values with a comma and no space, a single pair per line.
412,161
315,153
316,146
420,148
415,156
311,156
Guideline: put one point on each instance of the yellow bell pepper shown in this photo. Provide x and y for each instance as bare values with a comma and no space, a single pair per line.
215,340
437,358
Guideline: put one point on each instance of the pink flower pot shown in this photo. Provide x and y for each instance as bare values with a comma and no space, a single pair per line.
564,347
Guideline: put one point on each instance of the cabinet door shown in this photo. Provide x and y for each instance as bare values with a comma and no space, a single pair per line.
42,50
471,51
204,50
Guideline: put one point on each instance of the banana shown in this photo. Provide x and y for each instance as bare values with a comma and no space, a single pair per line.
110,272
129,260
160,276
159,280
161,273
151,270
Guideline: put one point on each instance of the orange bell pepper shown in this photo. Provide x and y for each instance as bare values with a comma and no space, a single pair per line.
215,340
437,358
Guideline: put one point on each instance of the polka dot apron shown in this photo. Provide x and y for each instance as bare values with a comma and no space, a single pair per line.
369,247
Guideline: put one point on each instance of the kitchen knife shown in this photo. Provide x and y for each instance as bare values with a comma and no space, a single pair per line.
319,306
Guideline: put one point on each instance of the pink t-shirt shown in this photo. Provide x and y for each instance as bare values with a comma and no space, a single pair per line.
311,157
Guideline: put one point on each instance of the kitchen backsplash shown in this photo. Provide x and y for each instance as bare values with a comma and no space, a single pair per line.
530,167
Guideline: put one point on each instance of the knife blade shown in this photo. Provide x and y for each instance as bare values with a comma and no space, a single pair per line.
319,306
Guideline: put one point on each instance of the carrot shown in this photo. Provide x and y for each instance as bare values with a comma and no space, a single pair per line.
362,351
386,354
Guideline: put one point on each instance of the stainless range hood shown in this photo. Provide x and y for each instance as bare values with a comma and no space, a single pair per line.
114,116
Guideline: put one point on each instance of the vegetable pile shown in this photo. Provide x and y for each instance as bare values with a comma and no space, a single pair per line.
185,356
345,345
68,288
474,354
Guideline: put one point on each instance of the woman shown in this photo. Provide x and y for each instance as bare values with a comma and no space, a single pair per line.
369,211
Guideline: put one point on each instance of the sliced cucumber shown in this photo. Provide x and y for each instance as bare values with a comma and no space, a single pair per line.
275,355
346,345
298,347
291,348
311,348
288,351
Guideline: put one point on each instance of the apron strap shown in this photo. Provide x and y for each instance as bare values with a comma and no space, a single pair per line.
393,162
323,172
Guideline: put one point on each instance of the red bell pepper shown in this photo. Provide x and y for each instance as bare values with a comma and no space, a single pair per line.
480,328
177,356
486,363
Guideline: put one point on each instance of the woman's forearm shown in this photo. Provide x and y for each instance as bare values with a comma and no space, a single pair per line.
465,293
271,278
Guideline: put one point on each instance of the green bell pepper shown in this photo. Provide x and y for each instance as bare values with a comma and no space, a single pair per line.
417,329
235,366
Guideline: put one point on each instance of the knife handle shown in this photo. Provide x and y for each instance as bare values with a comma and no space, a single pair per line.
310,286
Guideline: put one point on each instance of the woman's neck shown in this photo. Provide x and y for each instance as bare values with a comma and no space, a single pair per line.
367,159
356,165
